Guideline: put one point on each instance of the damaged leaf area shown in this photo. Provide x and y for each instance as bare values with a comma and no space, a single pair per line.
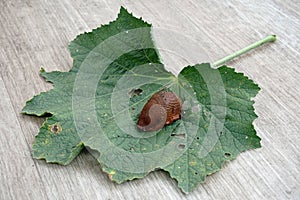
57,140
55,128
116,69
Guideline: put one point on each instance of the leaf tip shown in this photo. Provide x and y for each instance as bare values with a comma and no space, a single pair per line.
123,11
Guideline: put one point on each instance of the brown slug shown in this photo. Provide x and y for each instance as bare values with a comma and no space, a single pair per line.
162,109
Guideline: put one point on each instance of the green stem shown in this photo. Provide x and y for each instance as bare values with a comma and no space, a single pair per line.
270,38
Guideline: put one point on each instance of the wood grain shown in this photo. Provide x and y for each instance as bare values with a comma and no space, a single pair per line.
35,34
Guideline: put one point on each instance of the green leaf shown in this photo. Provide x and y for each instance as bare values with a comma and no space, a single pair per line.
61,145
62,148
237,134
97,104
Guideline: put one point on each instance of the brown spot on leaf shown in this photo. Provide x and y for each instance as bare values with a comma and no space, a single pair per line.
55,128
110,177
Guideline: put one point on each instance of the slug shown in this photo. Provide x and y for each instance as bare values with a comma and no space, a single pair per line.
162,109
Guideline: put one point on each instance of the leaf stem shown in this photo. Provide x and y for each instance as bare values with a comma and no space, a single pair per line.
270,38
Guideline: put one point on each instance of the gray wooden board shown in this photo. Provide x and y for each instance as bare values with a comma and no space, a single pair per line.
35,34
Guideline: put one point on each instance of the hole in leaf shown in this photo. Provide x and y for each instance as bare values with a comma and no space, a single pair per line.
197,138
196,173
55,128
206,113
181,146
134,92
180,136
227,155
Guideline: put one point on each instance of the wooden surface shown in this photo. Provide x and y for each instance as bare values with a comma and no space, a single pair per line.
35,33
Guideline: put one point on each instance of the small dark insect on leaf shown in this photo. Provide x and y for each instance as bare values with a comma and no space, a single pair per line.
162,109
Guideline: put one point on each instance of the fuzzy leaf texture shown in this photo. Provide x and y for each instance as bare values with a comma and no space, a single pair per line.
96,104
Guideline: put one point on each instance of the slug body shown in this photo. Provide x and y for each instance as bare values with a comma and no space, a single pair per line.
162,109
